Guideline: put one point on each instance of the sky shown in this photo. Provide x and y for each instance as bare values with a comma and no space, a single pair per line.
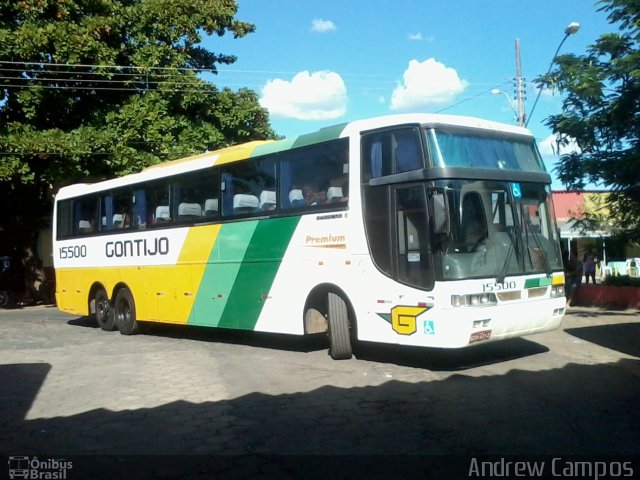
315,64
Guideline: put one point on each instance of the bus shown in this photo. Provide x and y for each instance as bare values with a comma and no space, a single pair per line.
414,229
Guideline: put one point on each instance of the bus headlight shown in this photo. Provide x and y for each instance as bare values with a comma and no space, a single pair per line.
557,291
474,300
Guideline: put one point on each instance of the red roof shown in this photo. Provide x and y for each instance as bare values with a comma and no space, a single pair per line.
567,204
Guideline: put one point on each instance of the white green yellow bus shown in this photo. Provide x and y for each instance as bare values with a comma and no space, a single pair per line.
417,229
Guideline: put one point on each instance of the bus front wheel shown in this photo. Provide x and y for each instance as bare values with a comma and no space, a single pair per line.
125,312
104,312
339,335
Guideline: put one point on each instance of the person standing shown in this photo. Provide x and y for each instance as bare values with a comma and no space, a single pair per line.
574,271
568,274
589,262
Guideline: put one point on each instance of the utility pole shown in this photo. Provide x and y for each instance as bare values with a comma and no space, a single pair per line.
519,87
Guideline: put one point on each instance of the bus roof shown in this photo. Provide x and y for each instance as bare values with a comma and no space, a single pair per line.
434,119
264,147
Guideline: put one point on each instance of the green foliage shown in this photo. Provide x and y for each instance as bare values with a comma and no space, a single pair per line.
621,281
601,113
100,88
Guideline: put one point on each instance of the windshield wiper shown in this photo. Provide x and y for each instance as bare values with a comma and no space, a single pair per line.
505,267
545,261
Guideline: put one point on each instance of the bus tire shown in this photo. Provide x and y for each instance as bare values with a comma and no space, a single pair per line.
103,311
339,335
125,312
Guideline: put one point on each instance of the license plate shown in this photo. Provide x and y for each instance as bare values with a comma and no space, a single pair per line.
480,336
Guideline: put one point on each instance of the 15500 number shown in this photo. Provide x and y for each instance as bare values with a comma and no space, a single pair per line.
77,251
498,287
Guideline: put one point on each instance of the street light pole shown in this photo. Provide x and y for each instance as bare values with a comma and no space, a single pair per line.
519,87
497,91
572,28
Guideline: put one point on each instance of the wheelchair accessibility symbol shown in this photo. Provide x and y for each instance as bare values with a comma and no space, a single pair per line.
429,327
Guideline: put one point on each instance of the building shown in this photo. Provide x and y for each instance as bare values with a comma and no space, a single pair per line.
570,208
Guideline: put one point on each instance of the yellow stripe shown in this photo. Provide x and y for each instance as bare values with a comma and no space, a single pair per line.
198,244
239,152
557,279
176,287
224,155
161,293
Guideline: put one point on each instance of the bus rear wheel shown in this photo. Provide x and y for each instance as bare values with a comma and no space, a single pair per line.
125,312
339,335
104,312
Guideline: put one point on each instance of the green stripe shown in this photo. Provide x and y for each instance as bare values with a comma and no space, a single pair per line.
328,133
258,270
324,134
221,271
241,269
273,147
537,282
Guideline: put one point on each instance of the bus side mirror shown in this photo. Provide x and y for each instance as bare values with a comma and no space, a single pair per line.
440,214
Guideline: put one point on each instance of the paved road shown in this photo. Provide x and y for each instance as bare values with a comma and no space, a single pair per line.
67,388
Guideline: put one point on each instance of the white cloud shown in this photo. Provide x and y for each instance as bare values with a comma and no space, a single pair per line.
308,96
425,84
549,147
320,26
415,36
547,92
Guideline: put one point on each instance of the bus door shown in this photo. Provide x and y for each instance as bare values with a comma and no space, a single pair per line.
412,249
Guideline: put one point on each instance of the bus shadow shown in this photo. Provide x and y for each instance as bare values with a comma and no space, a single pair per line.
273,341
435,359
622,337
294,343
440,359
594,312
88,322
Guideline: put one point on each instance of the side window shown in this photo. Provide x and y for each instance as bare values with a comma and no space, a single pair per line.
407,151
195,197
157,209
117,213
393,151
316,176
379,230
375,156
85,214
64,219
249,187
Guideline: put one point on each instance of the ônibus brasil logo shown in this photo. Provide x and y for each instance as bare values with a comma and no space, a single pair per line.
33,468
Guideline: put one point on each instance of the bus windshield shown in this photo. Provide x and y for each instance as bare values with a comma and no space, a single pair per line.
498,229
451,148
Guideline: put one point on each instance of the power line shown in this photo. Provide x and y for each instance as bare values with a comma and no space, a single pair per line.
464,100
131,78
157,71
94,65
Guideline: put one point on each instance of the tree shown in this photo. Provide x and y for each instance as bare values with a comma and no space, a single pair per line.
601,113
100,88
